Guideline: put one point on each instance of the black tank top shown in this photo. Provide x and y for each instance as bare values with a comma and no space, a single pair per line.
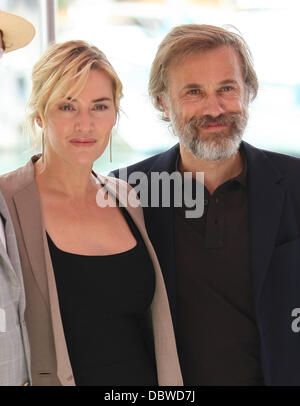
104,303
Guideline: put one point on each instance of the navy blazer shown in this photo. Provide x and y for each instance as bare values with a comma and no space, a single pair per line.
274,227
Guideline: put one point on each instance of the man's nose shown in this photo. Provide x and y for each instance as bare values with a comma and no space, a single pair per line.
212,106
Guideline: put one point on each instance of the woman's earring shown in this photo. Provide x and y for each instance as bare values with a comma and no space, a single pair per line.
110,148
43,146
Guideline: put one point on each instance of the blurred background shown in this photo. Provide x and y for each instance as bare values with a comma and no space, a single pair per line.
129,33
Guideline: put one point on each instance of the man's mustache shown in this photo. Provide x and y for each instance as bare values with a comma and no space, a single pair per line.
222,119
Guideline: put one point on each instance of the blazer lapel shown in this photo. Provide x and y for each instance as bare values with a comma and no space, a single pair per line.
27,203
64,368
266,197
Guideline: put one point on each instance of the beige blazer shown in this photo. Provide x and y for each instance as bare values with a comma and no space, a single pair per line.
49,355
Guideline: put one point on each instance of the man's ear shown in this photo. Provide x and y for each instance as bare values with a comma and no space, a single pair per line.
162,100
39,121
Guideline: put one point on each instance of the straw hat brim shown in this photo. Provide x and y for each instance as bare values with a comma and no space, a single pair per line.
17,31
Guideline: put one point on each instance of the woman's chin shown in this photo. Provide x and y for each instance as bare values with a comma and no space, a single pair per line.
86,157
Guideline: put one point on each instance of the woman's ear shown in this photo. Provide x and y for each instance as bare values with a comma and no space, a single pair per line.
39,121
117,117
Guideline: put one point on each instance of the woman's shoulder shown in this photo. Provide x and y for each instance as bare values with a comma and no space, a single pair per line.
16,180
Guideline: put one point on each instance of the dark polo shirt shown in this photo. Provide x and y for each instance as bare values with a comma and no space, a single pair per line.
217,337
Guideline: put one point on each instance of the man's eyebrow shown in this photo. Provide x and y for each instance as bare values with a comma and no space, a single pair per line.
192,86
228,82
199,86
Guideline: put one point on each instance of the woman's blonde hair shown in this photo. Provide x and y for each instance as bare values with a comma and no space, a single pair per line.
61,73
192,38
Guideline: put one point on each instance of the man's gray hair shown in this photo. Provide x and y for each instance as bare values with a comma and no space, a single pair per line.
192,38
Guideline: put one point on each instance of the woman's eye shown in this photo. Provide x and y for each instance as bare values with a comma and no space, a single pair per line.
66,107
100,107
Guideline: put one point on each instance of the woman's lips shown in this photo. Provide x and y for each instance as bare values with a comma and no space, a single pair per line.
83,142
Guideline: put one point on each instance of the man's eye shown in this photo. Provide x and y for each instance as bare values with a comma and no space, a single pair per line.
194,91
227,88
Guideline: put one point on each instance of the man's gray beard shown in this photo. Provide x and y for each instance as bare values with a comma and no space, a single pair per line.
217,145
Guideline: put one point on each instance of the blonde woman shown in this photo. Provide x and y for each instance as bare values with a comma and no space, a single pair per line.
91,276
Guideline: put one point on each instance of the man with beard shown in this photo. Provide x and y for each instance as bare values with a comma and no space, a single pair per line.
15,32
233,274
